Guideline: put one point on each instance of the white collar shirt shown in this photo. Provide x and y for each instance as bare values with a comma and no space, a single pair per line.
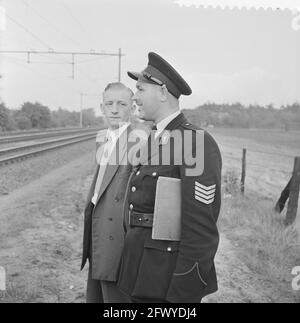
161,125
112,137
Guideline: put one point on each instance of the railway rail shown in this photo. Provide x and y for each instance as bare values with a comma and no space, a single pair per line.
40,135
18,153
22,132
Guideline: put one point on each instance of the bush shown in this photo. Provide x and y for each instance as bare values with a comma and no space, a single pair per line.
23,122
6,119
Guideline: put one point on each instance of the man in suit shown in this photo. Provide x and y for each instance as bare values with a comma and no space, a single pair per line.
103,224
158,270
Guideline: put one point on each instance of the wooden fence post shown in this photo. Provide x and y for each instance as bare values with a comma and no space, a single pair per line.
243,171
279,206
294,193
2,279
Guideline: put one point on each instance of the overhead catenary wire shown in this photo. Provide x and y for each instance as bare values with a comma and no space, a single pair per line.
65,61
72,15
62,60
22,63
26,66
76,90
61,32
59,60
28,31
43,42
90,60
86,33
28,52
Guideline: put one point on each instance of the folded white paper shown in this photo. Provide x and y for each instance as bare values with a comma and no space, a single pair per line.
167,209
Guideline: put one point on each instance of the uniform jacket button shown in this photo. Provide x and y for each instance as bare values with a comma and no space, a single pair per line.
131,206
138,172
117,199
169,249
133,189
154,174
111,238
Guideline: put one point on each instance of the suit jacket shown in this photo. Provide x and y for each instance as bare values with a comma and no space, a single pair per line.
103,236
170,270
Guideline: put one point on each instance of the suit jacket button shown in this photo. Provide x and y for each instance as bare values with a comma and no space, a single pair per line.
117,199
133,189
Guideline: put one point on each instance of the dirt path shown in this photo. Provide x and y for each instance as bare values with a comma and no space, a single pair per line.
41,240
41,235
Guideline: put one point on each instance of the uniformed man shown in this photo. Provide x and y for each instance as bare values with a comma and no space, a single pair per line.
154,270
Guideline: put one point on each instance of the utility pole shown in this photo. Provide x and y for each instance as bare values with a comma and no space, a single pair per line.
120,55
80,120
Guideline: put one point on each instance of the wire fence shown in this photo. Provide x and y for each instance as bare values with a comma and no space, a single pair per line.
291,180
261,165
258,165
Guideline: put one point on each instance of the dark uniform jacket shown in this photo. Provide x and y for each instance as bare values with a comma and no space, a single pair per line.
171,270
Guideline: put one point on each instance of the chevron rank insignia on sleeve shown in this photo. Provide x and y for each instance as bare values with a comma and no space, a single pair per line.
205,194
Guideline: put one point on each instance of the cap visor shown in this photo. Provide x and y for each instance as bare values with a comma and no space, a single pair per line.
134,75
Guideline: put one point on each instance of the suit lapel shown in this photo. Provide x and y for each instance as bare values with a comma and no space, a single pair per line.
114,162
92,188
99,153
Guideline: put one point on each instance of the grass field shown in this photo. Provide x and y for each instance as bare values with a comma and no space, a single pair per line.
276,138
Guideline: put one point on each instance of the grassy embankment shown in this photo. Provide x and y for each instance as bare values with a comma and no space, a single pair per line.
268,247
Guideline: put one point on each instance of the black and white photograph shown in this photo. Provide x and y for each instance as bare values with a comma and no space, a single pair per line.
149,153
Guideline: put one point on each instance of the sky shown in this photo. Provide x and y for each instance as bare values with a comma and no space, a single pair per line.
226,56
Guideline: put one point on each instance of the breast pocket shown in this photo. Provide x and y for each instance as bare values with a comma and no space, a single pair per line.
149,178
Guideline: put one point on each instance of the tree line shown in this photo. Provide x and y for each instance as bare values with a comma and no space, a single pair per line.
38,116
238,116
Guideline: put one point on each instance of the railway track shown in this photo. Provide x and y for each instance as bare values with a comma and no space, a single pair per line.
32,131
14,154
41,135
